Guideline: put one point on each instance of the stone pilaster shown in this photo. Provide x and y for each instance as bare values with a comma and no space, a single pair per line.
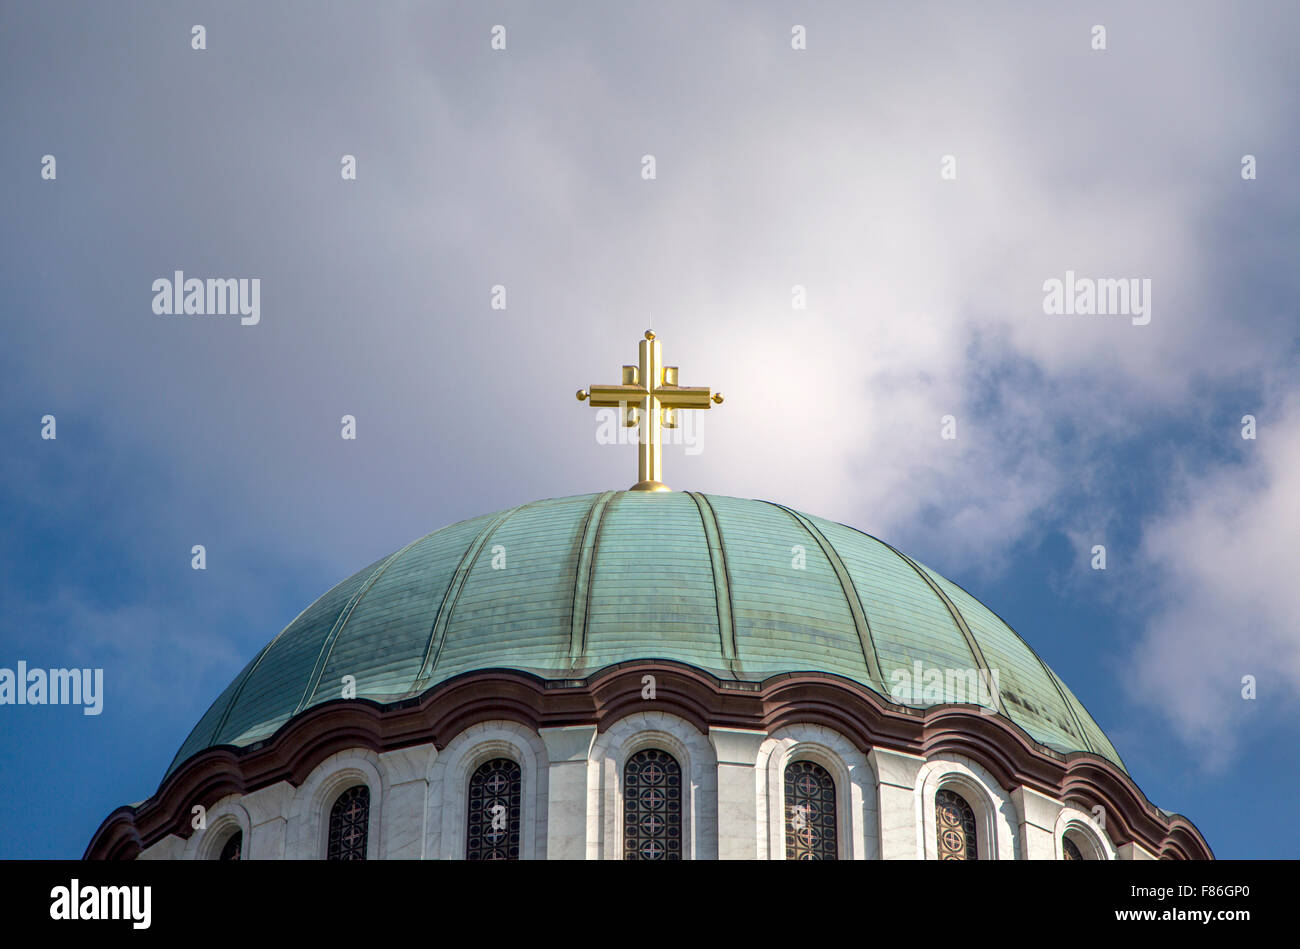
407,772
896,774
738,821
1038,814
268,811
567,749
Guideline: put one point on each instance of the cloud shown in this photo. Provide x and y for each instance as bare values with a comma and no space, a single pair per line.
1224,601
147,648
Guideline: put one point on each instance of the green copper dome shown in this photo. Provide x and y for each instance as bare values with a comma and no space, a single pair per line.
564,587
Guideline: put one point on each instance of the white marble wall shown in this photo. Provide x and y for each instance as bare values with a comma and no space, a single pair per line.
733,803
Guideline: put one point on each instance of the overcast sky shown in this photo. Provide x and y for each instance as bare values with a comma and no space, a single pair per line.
775,168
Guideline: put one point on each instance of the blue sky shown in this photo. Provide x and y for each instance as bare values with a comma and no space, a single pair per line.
774,168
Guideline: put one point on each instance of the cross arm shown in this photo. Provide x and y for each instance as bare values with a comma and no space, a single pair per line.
614,396
686,397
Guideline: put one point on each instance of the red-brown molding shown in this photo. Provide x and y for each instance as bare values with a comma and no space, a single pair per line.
864,718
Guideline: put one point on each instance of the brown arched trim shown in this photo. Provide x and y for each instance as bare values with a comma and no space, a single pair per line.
610,694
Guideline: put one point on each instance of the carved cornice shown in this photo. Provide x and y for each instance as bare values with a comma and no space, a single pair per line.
603,698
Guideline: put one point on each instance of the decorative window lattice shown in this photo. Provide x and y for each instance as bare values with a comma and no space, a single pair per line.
652,806
233,845
1069,849
810,829
350,824
494,805
955,825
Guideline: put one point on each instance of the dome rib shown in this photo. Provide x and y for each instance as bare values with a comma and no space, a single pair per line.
437,634
1102,747
721,583
582,573
1047,671
327,644
977,654
860,623
243,680
266,651
199,737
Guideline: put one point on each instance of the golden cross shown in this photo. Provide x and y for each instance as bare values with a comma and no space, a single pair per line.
651,396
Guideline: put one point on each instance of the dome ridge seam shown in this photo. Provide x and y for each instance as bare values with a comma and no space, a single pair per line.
442,619
332,637
583,572
225,711
225,714
857,611
722,598
977,654
1051,676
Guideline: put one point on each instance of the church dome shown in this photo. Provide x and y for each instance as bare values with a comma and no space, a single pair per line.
561,588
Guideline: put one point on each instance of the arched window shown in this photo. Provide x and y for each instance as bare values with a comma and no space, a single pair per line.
652,806
233,845
494,796
810,829
955,823
1069,850
350,825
